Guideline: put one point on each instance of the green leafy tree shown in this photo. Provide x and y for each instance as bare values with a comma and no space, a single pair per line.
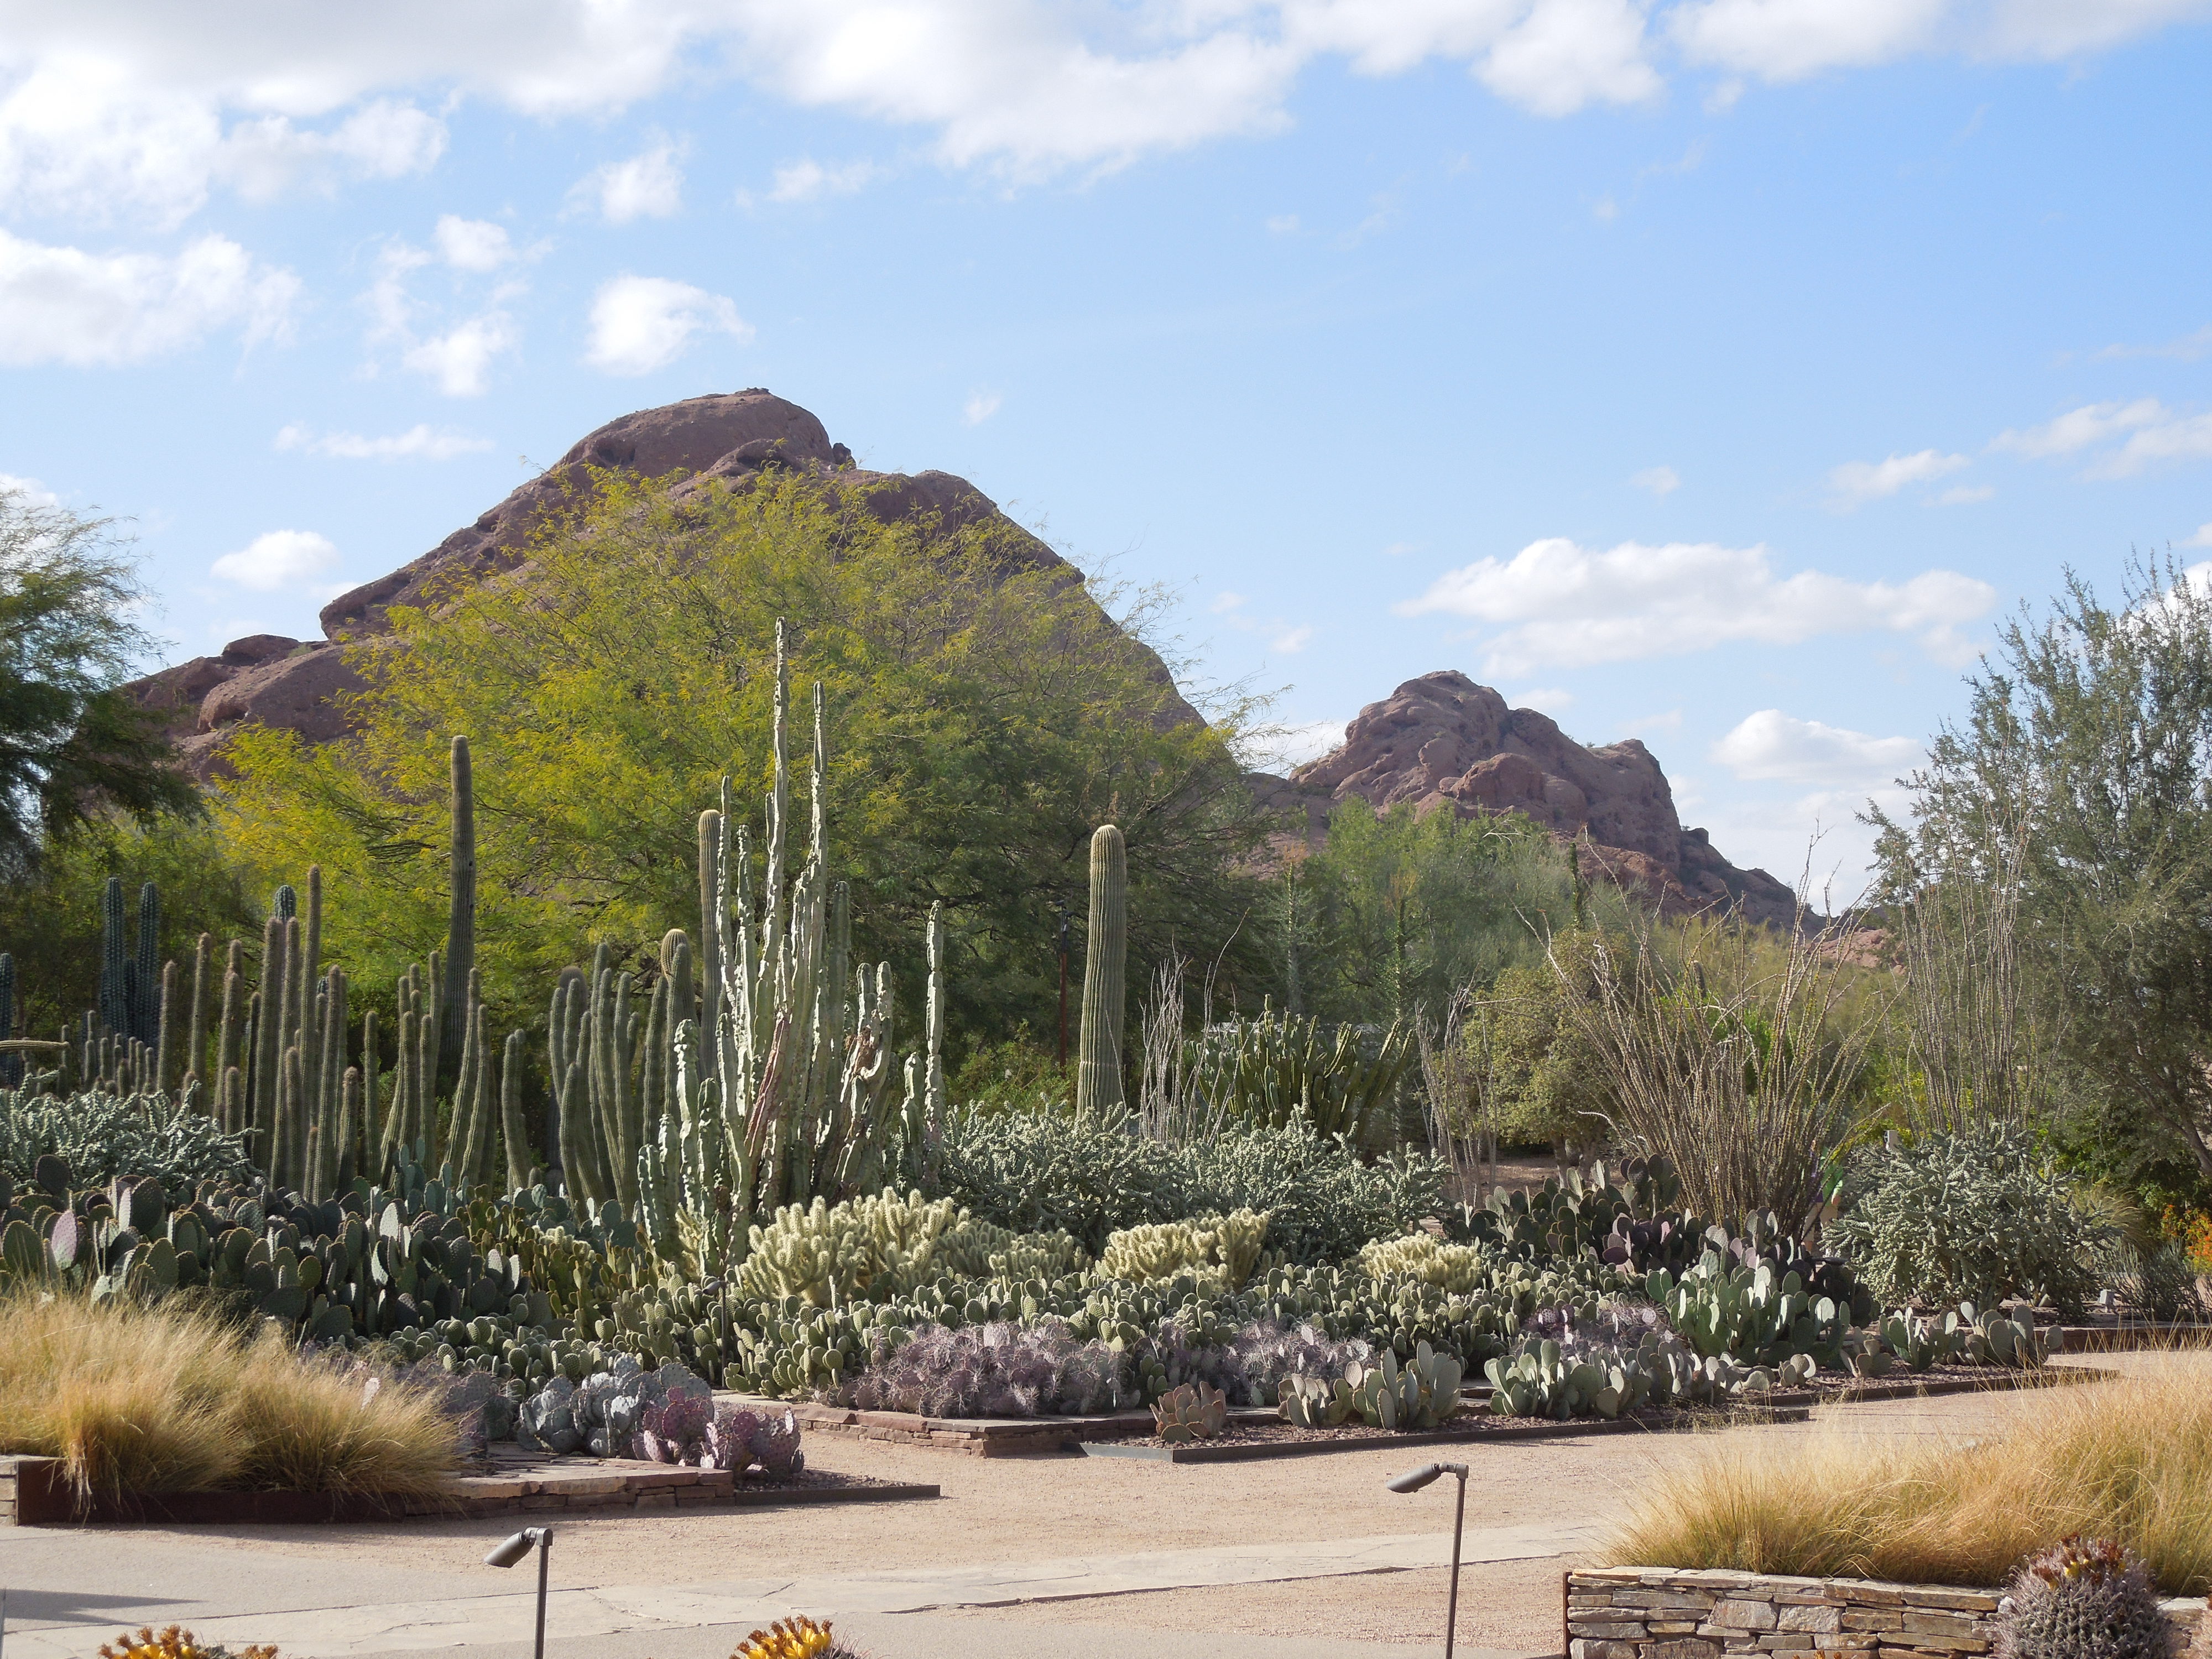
73,745
1549,1083
985,715
1400,910
50,918
2089,737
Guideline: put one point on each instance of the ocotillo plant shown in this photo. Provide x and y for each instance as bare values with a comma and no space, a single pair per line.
1098,1063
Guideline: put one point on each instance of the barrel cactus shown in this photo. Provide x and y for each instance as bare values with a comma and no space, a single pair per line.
2082,1599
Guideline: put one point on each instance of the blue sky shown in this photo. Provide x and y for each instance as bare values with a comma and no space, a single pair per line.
1716,371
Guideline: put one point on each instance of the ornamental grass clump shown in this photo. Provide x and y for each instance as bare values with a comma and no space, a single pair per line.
2129,1461
133,1398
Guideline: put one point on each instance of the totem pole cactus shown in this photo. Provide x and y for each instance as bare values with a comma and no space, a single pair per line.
143,982
1098,1084
114,1009
196,1023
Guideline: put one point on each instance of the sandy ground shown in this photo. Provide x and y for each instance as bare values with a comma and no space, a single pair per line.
1033,1509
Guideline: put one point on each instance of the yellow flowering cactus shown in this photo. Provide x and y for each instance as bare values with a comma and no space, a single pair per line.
796,1637
175,1642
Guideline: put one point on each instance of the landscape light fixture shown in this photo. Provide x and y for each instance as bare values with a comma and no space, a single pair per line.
512,1550
1414,1480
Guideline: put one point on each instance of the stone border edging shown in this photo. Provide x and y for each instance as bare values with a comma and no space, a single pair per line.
32,1493
1663,1613
1572,1428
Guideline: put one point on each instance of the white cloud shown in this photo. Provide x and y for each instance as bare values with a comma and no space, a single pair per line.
2079,429
1566,607
280,559
460,359
1855,482
471,243
1226,602
640,324
2154,433
1549,698
37,495
806,179
1290,639
419,443
2186,350
2202,538
979,407
1772,746
264,159
117,107
1788,40
61,305
1965,495
646,186
1661,481
1283,224
1280,748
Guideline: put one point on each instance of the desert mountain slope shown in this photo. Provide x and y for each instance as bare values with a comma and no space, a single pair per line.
288,682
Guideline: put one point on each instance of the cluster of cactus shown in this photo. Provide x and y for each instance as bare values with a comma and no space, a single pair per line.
1961,1337
175,1642
1419,1394
1225,1248
1645,1365
1190,1411
689,1429
1276,1068
1748,1311
873,1248
602,1413
2082,1599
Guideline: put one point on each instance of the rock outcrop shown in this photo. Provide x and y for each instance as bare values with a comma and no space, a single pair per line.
1443,739
731,438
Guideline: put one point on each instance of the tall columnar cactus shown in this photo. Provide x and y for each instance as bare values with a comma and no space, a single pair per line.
1098,1083
146,975
11,1066
162,1073
513,1127
115,1009
267,1038
461,913
196,1024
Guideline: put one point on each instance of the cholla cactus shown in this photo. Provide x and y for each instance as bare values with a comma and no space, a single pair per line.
2082,1599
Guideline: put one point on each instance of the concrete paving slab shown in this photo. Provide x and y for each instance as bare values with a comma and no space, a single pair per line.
322,1620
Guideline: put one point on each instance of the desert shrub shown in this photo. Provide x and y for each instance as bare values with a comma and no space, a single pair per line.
2161,1281
1323,1201
2128,1461
1974,1217
1094,1176
1086,1174
134,1398
100,1136
998,1370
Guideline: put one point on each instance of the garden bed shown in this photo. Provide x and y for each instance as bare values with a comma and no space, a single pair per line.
511,1482
1661,1612
1830,1390
2114,1337
1246,1442
981,1437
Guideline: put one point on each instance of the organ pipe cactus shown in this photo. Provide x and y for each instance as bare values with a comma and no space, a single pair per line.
461,914
11,1066
1098,1082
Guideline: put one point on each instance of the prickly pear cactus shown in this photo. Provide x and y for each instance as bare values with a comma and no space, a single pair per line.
2082,1599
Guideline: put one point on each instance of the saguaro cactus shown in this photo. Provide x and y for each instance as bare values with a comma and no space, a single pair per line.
1098,1061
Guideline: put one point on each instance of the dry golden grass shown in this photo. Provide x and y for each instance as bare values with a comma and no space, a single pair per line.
2129,1460
150,1398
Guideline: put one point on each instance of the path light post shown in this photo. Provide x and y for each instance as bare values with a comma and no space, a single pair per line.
1413,1481
512,1550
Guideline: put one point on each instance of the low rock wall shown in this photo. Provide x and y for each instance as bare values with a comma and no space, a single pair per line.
1656,1613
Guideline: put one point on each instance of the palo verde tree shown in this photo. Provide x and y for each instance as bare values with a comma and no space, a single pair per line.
985,715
